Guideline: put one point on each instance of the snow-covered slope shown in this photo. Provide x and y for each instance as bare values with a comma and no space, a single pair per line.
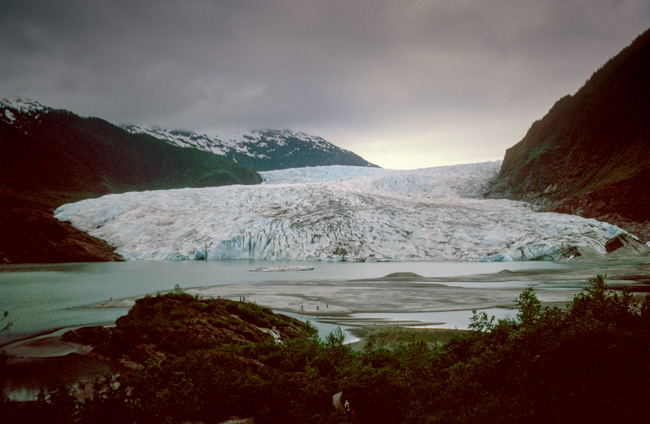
27,106
336,213
9,108
261,150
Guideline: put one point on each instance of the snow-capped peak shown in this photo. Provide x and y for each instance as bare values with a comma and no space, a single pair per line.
16,111
219,144
26,106
260,150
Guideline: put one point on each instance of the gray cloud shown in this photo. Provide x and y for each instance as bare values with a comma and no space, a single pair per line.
428,82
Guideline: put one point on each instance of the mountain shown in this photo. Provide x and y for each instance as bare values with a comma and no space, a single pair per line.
339,213
590,154
55,149
49,157
261,150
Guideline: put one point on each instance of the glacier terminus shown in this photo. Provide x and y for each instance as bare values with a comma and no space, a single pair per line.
337,213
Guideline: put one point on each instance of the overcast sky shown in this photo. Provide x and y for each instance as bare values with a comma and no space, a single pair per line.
405,84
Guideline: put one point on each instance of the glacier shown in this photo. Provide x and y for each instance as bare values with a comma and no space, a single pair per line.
337,213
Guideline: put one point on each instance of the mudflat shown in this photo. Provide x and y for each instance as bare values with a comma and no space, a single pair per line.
407,292
336,301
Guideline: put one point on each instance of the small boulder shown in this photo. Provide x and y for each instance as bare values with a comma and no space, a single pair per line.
626,245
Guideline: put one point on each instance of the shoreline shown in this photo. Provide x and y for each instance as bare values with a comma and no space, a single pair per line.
339,299
335,302
405,292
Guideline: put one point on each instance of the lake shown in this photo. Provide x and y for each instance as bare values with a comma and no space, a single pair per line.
42,298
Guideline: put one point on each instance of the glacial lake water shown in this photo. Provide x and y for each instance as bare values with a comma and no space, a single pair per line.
42,298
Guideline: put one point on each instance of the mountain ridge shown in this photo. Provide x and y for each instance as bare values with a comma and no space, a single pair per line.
590,154
261,150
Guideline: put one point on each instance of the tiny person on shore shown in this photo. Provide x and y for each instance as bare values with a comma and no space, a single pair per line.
349,413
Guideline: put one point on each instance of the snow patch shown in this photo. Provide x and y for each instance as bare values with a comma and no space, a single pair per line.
25,106
10,116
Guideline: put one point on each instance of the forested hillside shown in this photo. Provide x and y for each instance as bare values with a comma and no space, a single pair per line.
590,154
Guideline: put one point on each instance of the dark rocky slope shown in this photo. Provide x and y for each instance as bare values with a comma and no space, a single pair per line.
49,157
590,154
29,233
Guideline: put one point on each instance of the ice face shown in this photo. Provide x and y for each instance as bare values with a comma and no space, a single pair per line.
336,213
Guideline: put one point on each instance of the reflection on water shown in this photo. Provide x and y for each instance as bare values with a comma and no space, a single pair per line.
41,298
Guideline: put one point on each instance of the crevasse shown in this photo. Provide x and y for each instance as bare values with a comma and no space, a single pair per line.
337,213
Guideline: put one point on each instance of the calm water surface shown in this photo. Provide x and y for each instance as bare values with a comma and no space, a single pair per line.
42,298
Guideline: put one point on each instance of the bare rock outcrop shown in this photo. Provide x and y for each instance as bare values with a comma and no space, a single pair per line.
625,245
